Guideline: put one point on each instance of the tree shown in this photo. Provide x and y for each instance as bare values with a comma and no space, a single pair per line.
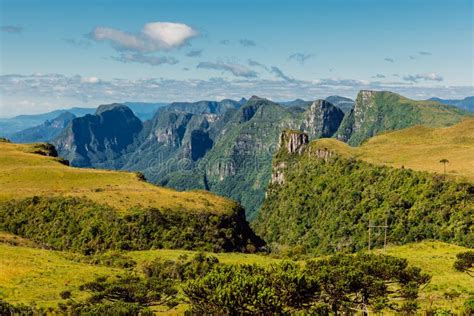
250,289
465,262
366,281
132,289
444,161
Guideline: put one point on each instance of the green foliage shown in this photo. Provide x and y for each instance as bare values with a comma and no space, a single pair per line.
469,306
132,289
367,281
116,308
340,283
9,309
250,289
4,140
83,226
379,111
465,262
326,206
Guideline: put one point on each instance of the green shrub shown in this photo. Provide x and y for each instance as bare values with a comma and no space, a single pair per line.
326,206
80,225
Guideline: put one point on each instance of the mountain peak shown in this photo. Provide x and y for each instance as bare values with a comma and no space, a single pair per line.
256,98
108,107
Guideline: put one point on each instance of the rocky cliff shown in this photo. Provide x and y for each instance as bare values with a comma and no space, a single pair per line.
103,137
321,119
379,111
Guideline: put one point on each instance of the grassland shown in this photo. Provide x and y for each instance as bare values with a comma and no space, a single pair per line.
437,259
33,275
420,148
25,174
30,275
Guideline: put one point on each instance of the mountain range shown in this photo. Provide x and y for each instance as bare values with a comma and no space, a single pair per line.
10,126
227,147
465,104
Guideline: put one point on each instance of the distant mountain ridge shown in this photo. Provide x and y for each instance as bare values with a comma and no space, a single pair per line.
345,104
44,132
466,104
227,147
10,126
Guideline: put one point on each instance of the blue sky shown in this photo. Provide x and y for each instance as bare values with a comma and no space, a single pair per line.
57,54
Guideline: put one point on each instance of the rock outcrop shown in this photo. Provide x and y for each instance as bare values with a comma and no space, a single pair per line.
293,141
99,138
321,119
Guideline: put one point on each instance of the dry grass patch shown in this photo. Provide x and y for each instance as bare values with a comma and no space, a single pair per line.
24,174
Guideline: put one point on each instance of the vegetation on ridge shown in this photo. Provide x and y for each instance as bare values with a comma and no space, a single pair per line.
325,205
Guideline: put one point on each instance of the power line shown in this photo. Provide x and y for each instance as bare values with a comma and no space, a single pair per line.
385,227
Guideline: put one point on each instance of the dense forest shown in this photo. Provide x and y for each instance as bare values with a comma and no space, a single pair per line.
325,205
84,226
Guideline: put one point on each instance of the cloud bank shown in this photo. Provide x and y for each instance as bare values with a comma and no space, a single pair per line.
423,77
145,59
44,92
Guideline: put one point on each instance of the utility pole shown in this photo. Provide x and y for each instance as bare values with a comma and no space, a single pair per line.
385,227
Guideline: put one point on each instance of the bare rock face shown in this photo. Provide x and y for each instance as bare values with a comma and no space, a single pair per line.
322,119
293,141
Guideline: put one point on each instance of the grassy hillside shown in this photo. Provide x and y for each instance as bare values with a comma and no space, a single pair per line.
25,174
322,198
419,148
437,259
30,275
378,111
90,211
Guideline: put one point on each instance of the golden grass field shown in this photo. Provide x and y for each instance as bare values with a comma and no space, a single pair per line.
437,259
32,275
24,174
419,148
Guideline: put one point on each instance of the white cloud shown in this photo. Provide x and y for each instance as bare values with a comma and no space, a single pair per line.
44,92
153,37
423,77
247,42
236,69
146,59
90,80
171,34
300,57
280,74
194,53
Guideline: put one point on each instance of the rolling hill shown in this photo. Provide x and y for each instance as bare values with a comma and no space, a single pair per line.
126,211
323,194
31,275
